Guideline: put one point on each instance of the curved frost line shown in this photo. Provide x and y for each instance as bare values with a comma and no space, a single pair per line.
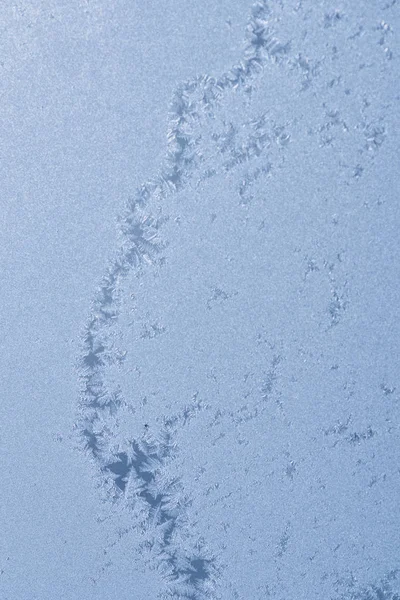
135,471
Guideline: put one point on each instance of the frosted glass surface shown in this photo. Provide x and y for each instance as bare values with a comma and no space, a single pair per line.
200,338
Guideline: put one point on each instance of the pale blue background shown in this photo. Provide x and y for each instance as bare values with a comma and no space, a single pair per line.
85,90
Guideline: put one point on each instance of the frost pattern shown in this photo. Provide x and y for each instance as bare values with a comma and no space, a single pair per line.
137,467
219,127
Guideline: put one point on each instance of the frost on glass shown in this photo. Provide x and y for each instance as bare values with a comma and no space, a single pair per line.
238,407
